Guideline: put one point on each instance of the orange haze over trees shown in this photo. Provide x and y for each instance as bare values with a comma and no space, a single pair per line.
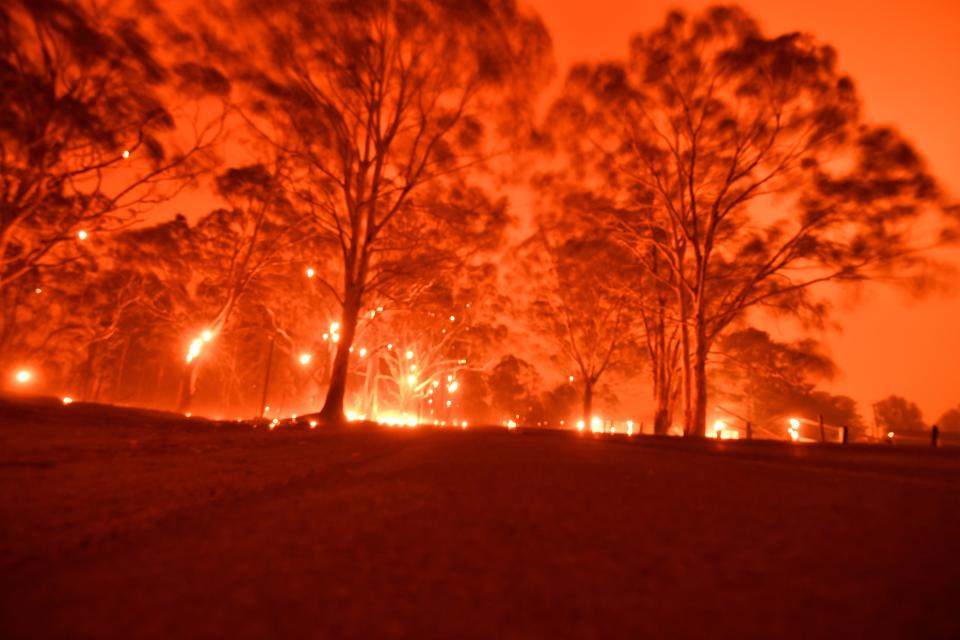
350,174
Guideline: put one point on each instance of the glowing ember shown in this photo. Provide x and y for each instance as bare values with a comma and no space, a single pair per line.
38,290
511,424
67,400
305,358
453,386
409,355
363,352
311,272
125,154
313,424
82,235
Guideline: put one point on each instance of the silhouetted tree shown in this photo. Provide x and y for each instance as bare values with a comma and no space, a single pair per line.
950,421
380,106
86,130
895,413
753,157
577,305
771,381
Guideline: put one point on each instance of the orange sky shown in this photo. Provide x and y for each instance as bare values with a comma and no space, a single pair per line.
905,58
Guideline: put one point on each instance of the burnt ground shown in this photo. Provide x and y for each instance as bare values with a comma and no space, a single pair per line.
118,523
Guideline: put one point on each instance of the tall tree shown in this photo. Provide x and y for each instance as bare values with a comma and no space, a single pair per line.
578,305
374,102
753,155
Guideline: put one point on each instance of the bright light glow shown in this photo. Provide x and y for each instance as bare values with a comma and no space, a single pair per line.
409,355
580,425
335,338
463,425
67,400
188,414
412,380
794,435
390,345
305,358
334,327
449,403
313,424
82,235
511,424
453,386
890,434
38,290
207,335
452,318
596,425
794,423
23,376
311,272
194,349
125,154
718,428
391,419
363,352
570,378
629,427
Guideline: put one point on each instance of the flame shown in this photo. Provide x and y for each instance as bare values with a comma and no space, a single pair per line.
67,400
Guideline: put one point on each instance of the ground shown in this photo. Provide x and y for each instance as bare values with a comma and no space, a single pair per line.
119,523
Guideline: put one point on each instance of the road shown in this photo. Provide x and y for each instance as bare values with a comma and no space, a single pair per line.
120,524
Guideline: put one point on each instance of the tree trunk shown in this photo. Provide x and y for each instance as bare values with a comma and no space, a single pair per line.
587,415
332,412
687,391
699,426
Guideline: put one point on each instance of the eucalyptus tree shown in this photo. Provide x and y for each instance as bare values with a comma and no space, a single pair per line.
748,161
90,132
386,111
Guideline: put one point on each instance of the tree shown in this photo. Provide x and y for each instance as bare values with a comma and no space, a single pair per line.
771,381
950,421
895,413
577,305
86,132
751,155
373,102
232,248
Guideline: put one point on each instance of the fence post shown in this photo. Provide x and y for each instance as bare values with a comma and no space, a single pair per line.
846,434
934,436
